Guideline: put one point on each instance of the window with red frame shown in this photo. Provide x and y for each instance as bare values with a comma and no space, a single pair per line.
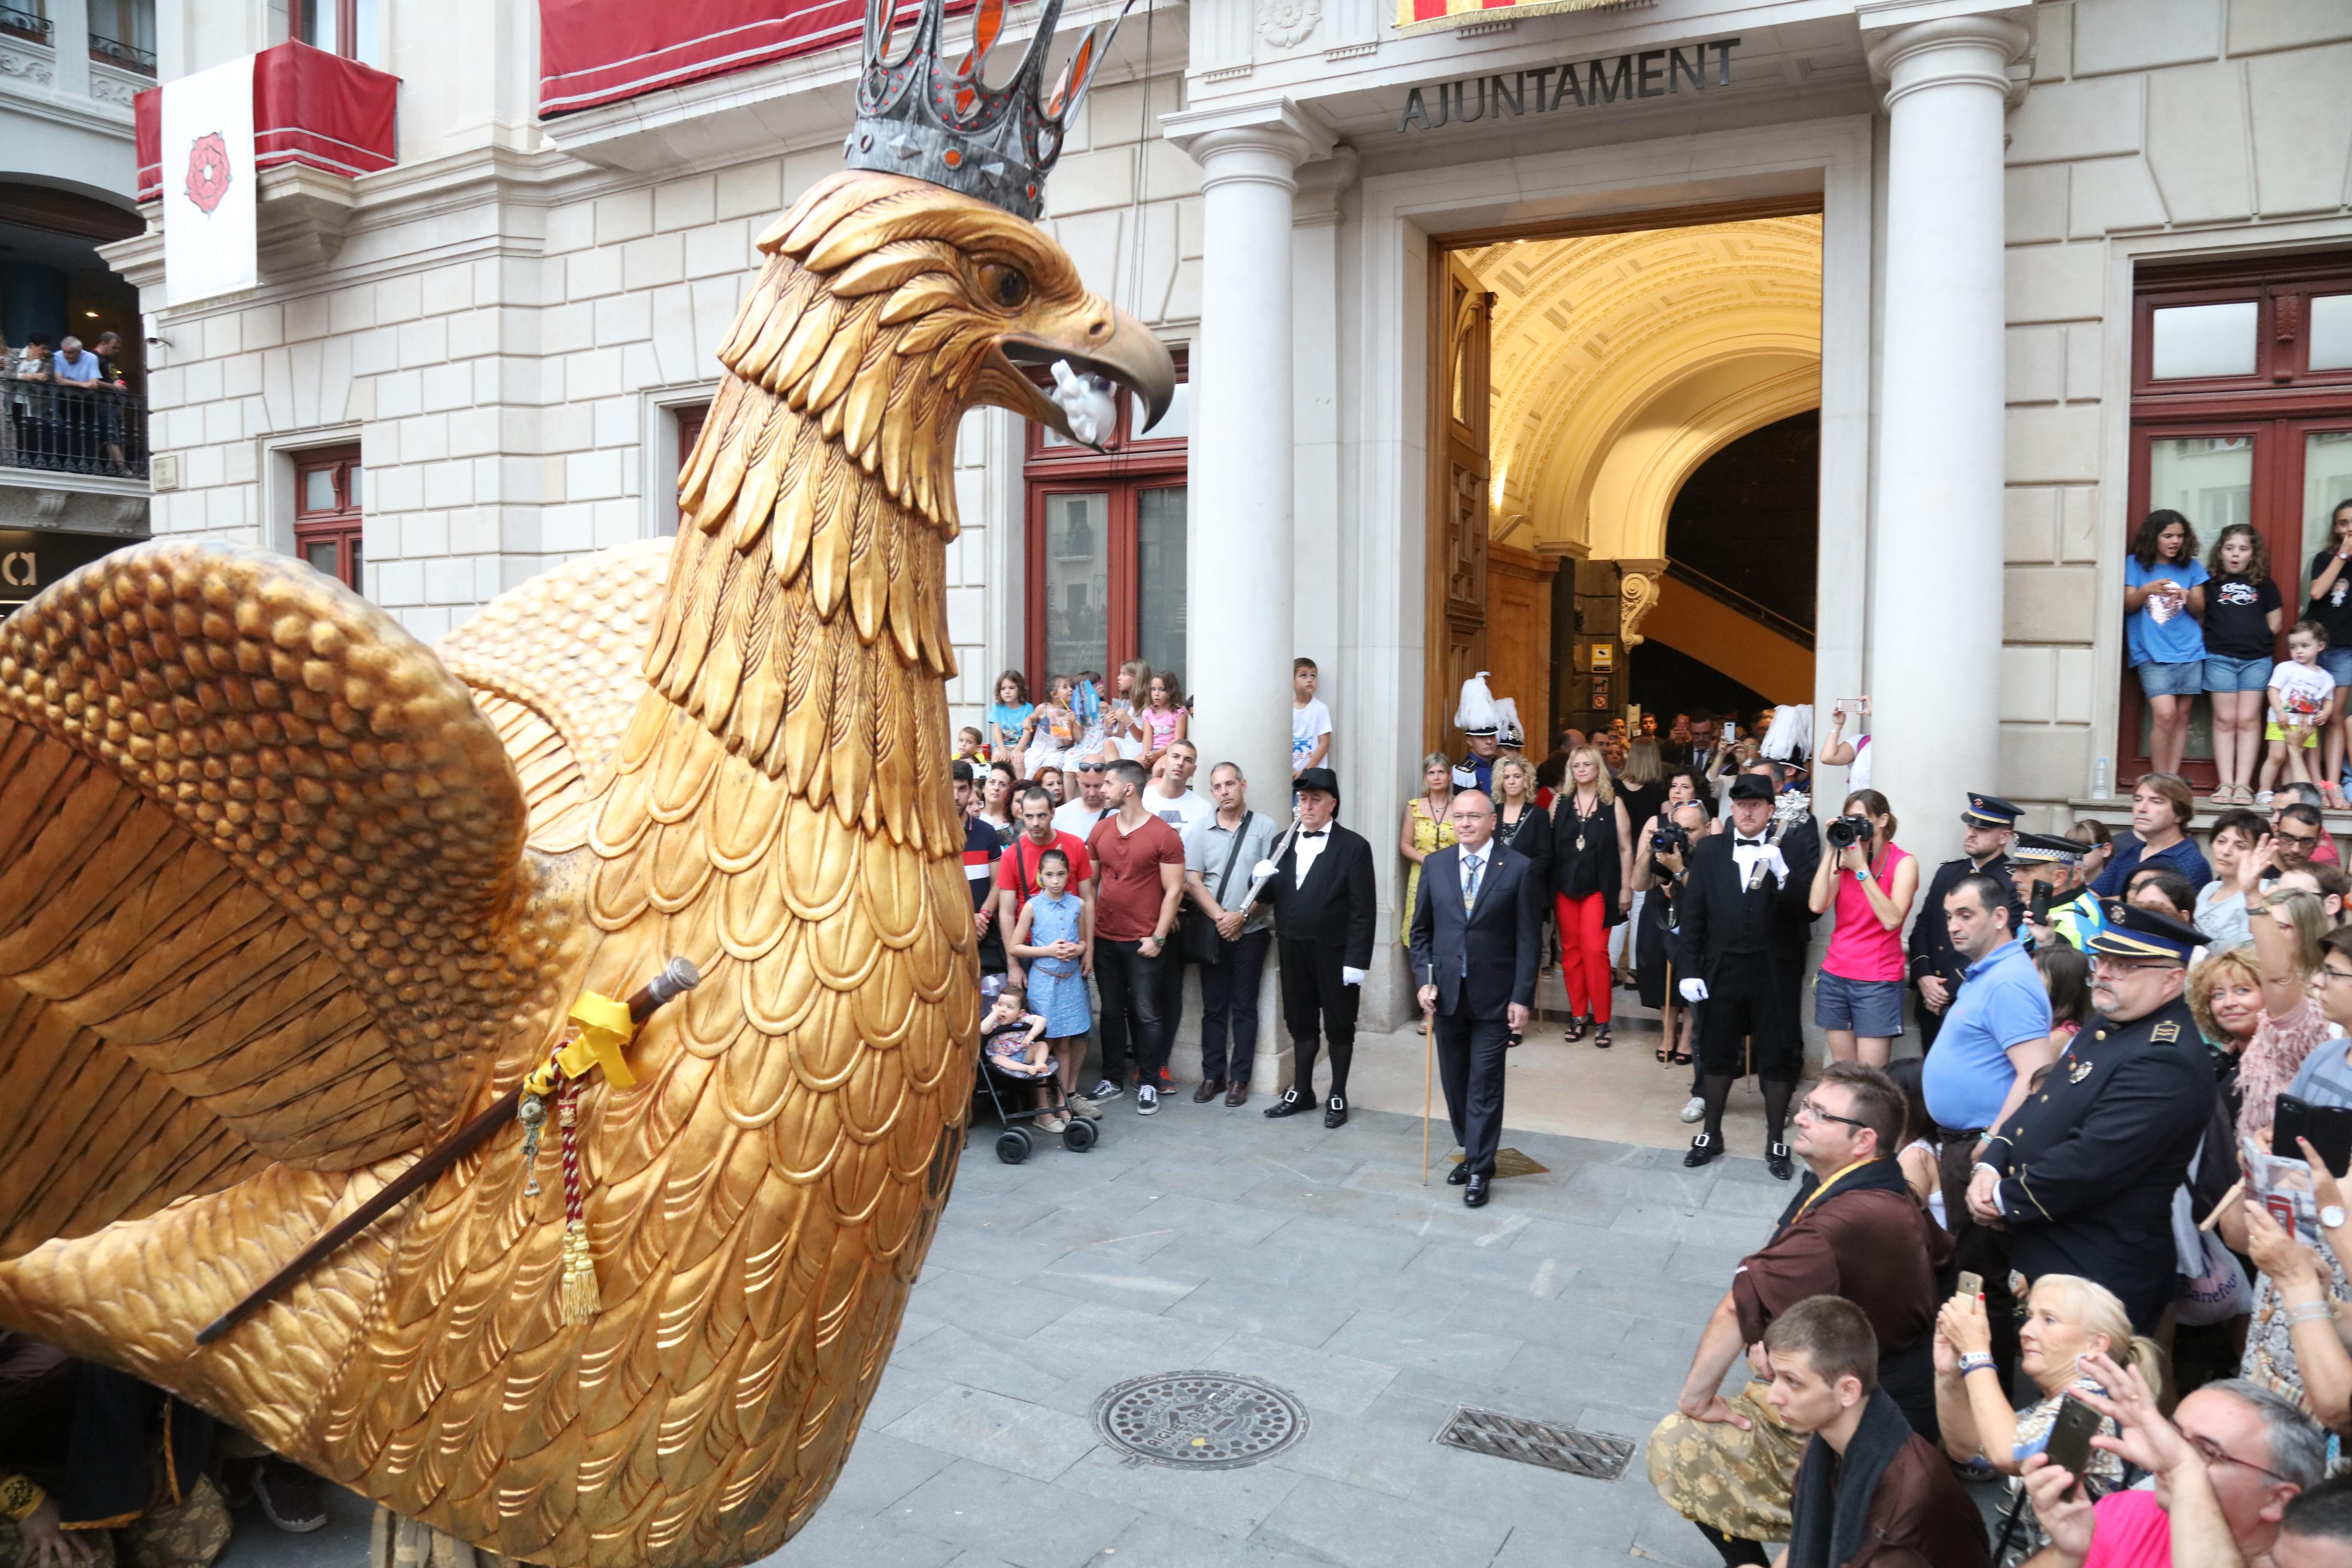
345,27
1106,545
326,506
2242,412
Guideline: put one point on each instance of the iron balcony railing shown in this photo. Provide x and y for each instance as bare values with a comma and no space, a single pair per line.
18,22
115,52
69,430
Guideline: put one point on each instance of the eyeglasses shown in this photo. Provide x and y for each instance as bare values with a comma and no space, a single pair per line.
2305,838
2213,1452
2329,975
1811,1110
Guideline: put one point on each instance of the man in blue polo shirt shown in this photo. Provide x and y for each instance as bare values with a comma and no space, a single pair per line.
1996,1030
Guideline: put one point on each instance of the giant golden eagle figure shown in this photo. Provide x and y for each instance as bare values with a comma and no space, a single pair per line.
285,898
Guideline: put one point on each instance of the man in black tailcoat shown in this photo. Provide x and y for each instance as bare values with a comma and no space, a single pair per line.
1325,909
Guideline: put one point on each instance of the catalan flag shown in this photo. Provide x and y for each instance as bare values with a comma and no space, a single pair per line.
1424,15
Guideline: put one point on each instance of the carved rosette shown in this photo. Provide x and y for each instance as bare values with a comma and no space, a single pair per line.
1286,24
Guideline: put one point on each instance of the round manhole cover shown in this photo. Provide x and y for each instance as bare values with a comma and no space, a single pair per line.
1199,1420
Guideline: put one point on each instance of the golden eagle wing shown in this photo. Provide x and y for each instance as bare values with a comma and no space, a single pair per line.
555,666
263,894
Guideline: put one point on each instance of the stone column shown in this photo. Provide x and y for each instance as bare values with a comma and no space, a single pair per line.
1239,540
1240,545
1936,544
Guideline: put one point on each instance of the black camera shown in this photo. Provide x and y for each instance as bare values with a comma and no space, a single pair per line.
1844,831
1669,839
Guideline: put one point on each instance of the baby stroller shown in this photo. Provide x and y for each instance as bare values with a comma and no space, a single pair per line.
1008,1092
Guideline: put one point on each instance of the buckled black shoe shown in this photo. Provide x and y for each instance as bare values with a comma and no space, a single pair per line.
1335,1112
1703,1148
1777,1160
1474,1193
1459,1174
1289,1105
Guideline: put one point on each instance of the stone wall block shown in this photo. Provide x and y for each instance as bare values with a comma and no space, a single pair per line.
595,374
2135,35
672,330
653,261
241,377
349,310
424,438
397,489
2302,127
624,319
2078,524
616,420
2030,525
2053,40
424,342
2055,283
2044,762
307,318
223,335
2035,203
591,274
424,534
1090,181
2062,121
2259,25
614,522
592,476
750,190
2036,365
2196,142
375,351
2052,446
2072,701
264,328
449,484
2029,679
564,329
685,204
399,299
398,582
721,249
623,216
2113,195
2047,604
2085,351
448,290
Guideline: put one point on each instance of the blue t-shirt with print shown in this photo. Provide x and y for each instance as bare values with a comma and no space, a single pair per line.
2176,641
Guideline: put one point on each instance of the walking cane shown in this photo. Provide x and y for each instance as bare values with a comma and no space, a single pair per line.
1428,1057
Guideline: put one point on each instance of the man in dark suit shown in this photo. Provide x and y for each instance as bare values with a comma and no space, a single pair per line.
2082,1173
1746,915
1324,912
1476,926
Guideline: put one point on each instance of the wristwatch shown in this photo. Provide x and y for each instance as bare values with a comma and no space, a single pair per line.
2332,1216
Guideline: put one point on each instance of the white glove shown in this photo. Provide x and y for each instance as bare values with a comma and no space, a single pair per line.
1348,976
1693,990
1262,870
1775,862
1086,402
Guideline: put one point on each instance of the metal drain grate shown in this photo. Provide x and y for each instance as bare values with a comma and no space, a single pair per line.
1199,1420
1596,1455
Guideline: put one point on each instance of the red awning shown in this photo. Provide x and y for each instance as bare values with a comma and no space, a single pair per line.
308,107
594,52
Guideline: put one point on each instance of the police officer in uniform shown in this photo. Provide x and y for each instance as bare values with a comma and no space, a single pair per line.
2044,860
2083,1173
1936,968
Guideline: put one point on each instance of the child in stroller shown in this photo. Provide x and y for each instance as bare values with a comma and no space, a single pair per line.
1016,1069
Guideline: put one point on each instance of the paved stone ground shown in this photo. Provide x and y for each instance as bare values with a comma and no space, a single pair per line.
1209,1239
1203,1238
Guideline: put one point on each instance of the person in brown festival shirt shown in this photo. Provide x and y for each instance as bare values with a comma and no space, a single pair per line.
1139,882
1854,1229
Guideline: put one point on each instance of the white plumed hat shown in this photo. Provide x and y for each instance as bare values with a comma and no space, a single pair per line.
1508,732
1791,734
1476,714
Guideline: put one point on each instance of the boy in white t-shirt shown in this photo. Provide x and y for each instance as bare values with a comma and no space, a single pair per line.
1311,721
2302,703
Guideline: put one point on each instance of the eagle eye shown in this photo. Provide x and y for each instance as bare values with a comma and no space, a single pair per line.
1007,285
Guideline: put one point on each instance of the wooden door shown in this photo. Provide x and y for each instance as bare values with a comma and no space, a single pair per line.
1461,318
1518,636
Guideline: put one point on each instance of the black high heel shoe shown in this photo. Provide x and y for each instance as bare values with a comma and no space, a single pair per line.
1575,1030
1600,1040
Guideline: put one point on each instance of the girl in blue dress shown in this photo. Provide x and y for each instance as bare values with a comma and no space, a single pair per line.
1052,937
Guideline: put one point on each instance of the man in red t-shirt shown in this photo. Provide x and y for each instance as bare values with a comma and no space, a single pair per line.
1016,868
1138,862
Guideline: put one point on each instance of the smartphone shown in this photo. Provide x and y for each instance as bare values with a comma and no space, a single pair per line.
1971,1284
2041,911
2329,1128
2070,1435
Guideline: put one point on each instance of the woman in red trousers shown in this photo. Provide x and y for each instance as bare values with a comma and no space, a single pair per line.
1592,857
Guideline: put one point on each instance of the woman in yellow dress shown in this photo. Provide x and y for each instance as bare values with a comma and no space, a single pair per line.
1427,828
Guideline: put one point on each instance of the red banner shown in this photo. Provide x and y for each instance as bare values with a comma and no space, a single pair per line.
594,52
308,107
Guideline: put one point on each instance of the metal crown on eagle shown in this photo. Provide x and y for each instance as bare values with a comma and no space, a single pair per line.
918,116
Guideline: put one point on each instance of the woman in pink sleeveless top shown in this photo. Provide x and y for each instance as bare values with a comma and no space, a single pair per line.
1858,995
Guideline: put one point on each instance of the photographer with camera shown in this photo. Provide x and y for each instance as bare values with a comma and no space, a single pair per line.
1871,880
1660,858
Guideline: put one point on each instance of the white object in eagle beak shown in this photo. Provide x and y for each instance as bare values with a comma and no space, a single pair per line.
1086,401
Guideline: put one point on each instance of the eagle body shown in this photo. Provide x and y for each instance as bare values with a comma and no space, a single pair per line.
285,897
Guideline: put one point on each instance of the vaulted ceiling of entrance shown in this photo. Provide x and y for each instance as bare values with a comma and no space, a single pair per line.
1621,362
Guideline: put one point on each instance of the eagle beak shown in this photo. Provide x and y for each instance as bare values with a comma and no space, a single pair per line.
1110,343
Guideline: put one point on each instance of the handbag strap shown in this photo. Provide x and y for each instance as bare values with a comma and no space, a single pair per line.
1233,857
